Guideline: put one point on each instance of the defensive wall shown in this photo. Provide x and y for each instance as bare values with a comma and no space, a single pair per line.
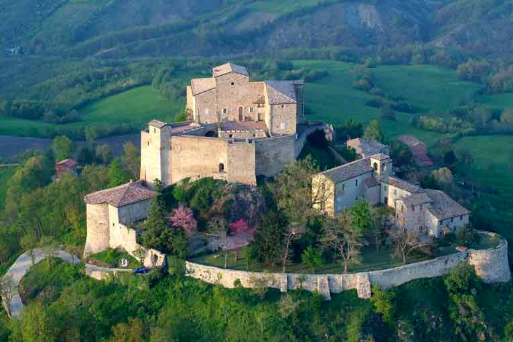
491,266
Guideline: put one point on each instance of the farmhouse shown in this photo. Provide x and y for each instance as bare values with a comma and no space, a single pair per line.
425,211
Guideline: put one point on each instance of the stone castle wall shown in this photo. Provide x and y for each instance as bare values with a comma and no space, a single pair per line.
98,228
491,266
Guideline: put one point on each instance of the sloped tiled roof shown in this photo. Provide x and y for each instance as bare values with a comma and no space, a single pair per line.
444,207
157,123
67,163
416,199
121,195
228,68
401,184
280,92
348,171
409,140
201,85
244,126
365,147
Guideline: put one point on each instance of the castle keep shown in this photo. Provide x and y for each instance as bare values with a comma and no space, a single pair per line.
239,130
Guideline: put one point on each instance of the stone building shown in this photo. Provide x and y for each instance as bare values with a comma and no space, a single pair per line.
425,211
64,167
367,148
417,148
229,95
239,130
111,213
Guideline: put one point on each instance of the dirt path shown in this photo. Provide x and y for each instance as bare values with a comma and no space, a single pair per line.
22,265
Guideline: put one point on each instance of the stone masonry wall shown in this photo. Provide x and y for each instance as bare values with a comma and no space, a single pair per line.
491,265
273,154
98,233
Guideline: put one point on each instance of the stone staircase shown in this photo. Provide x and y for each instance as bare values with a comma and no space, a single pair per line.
323,286
363,286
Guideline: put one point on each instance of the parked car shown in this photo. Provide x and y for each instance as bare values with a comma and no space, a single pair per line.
141,270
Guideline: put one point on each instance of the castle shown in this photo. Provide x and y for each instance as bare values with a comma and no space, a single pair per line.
424,211
240,129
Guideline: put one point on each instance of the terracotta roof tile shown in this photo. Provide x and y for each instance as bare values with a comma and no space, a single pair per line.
121,195
401,184
348,171
443,206
201,85
366,147
280,92
157,123
228,68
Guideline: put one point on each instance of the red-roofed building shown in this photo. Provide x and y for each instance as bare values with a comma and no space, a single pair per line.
417,148
66,166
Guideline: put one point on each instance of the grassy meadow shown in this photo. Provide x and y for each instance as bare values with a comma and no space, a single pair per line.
135,107
430,88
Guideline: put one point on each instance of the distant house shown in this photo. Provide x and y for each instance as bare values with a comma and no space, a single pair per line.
417,148
66,166
367,148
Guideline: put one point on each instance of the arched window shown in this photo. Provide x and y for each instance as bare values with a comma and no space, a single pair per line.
383,166
221,167
375,166
241,114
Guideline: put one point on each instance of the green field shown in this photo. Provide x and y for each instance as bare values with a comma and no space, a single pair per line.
431,88
5,174
428,87
499,100
135,107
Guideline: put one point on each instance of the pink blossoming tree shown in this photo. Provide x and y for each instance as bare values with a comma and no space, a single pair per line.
184,217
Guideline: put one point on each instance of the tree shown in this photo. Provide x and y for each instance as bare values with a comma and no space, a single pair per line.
103,154
407,241
312,257
269,239
49,246
156,234
384,303
91,134
37,326
117,175
63,147
7,291
465,235
293,190
373,132
378,230
28,242
131,160
133,331
362,215
239,228
184,217
85,155
339,234
219,228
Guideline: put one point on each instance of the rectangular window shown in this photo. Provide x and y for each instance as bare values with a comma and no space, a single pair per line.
250,109
207,111
357,182
452,219
412,208
282,125
461,218
225,111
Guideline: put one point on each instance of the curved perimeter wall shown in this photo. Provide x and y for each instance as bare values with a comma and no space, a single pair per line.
491,266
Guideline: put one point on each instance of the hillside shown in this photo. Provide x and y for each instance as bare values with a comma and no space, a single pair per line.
228,27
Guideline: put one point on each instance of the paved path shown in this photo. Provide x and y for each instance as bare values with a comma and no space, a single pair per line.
24,263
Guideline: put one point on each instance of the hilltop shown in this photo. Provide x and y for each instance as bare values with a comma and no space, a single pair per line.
232,27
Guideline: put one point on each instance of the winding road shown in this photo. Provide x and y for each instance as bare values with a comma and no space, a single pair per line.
24,263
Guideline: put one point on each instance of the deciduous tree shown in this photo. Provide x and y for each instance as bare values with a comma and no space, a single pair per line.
341,235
